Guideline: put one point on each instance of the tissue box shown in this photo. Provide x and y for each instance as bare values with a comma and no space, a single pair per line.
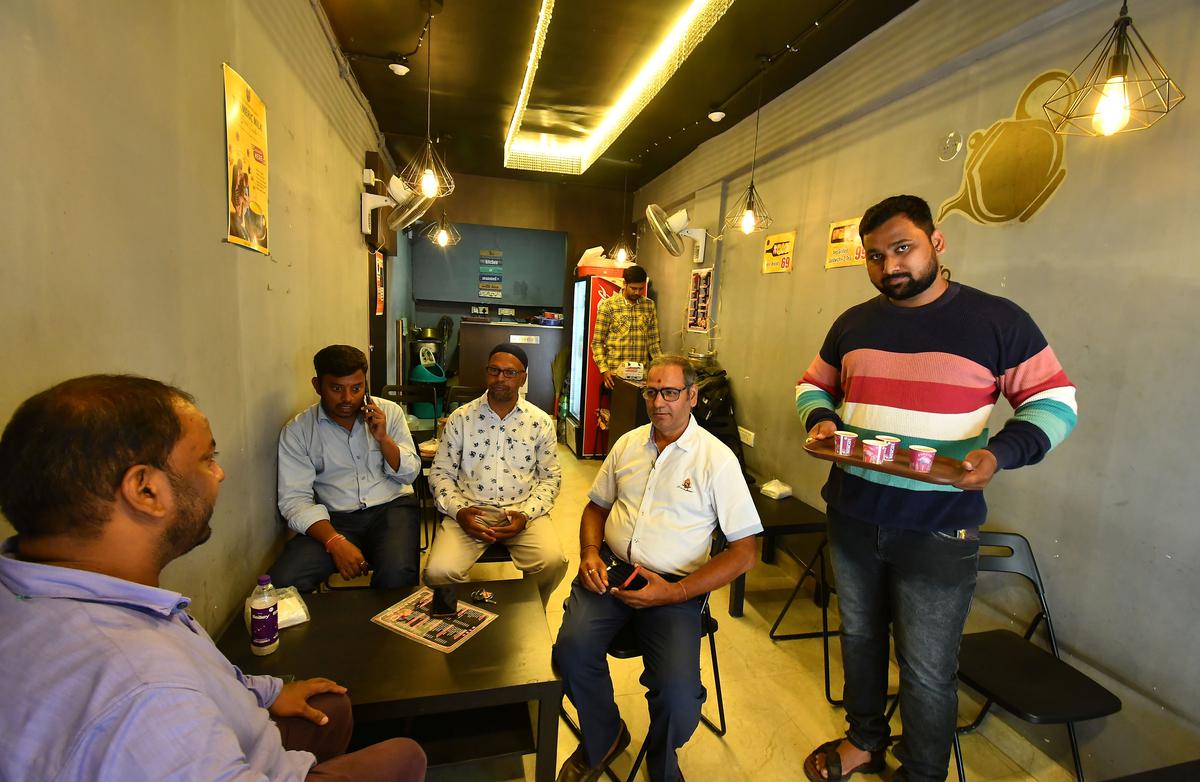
776,489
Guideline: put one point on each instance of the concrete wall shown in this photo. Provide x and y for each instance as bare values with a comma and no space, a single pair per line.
1106,269
113,222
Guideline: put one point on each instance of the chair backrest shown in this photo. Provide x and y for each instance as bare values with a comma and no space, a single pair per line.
1017,559
406,395
457,395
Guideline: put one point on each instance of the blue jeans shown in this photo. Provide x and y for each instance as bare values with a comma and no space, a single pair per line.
670,641
920,583
388,535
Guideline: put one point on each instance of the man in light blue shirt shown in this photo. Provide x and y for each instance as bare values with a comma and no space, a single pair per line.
346,468
105,676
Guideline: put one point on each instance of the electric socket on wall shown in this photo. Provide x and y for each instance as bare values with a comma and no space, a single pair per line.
479,310
746,436
507,311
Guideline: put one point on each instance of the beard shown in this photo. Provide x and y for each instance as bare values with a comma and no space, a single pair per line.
900,287
190,526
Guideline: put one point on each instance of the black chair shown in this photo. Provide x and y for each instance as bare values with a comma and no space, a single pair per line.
410,394
625,646
407,396
817,571
458,395
1011,671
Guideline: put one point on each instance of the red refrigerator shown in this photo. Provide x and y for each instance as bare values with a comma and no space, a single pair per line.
583,398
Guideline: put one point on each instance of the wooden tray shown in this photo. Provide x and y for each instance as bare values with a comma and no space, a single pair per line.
946,471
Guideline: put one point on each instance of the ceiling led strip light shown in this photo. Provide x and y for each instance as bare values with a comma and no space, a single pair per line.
572,155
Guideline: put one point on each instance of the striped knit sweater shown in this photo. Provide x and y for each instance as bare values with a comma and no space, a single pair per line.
930,375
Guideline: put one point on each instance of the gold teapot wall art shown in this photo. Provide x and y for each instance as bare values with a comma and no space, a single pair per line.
1013,167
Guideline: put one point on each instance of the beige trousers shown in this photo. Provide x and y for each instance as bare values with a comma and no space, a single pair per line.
536,552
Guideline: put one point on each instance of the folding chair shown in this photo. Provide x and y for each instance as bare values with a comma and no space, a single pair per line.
407,396
458,395
625,646
1021,677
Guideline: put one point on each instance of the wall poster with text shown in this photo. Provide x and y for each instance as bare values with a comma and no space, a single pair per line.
245,163
845,245
699,300
777,253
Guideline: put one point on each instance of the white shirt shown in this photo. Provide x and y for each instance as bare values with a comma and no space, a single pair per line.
323,467
664,507
510,462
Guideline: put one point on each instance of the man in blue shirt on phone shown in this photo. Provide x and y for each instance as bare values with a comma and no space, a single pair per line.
346,468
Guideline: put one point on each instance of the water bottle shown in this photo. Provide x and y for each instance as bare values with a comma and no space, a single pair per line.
264,618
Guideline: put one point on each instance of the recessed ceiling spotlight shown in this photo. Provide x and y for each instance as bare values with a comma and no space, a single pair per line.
398,68
716,115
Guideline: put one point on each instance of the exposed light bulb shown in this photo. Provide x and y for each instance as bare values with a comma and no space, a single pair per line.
748,221
1112,110
429,184
622,254
443,237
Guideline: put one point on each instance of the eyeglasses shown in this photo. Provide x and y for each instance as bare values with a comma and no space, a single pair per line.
497,372
669,394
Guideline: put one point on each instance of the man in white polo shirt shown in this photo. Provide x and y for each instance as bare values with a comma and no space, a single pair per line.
663,491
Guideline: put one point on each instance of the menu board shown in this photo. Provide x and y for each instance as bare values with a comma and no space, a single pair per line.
491,274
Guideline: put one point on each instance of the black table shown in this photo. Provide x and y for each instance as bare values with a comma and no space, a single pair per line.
392,677
788,516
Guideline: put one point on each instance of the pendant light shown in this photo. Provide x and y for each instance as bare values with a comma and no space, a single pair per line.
442,232
426,173
621,251
749,213
1124,88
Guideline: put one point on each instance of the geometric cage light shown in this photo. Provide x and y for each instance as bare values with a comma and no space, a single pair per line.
749,214
621,252
442,233
426,173
1124,88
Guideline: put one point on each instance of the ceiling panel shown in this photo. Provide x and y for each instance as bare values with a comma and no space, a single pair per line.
480,47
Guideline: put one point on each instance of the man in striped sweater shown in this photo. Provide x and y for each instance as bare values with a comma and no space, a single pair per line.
924,362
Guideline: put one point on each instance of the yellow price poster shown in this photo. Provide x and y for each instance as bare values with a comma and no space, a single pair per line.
777,253
245,163
845,245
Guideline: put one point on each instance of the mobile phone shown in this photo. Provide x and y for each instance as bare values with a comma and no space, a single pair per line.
622,575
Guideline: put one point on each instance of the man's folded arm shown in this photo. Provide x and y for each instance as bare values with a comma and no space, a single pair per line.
547,475
295,487
171,733
410,461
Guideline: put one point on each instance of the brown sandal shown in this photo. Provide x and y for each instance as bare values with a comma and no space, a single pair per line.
833,763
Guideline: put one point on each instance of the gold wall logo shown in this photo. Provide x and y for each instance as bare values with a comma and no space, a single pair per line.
1015,166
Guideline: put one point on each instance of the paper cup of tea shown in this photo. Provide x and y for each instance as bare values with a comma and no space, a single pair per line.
920,457
843,442
889,446
874,451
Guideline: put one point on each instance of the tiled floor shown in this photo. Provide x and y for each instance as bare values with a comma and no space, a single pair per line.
774,697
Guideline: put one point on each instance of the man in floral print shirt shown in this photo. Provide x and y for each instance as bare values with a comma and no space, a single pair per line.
498,451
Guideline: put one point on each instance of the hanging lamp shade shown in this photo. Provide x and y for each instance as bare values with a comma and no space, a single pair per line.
426,173
1119,86
622,251
749,214
442,233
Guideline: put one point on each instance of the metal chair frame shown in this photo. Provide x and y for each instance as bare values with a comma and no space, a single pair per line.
1018,561
708,627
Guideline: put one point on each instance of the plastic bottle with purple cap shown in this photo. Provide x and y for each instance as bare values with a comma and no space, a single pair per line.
264,618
